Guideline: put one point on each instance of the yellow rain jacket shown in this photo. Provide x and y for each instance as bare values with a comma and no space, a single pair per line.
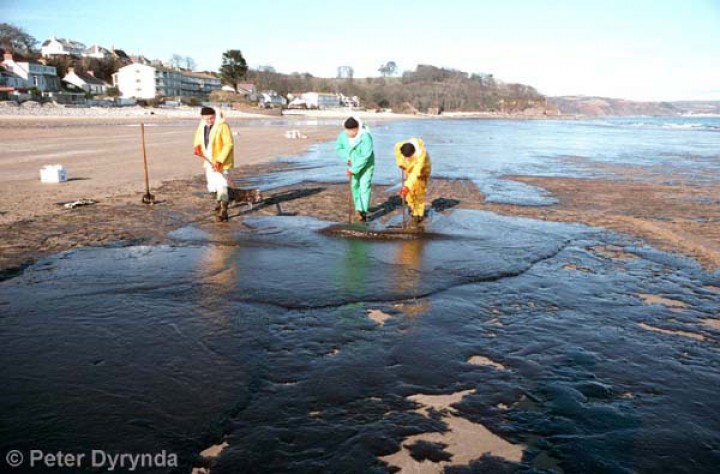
418,170
220,146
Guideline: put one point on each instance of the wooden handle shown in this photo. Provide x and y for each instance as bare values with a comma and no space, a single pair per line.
142,134
350,200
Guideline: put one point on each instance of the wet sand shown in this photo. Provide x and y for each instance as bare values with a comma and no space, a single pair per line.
682,217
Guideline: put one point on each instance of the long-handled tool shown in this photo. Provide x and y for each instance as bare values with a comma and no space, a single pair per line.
402,183
227,182
350,200
147,198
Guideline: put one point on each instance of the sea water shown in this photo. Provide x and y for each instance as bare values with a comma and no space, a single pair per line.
485,151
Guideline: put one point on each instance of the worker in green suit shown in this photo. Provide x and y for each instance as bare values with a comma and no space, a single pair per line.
355,145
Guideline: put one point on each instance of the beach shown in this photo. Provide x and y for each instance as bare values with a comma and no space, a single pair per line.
558,312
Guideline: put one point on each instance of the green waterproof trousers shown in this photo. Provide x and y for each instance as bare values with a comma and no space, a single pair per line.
361,186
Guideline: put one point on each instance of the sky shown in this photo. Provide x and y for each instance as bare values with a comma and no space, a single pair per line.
631,49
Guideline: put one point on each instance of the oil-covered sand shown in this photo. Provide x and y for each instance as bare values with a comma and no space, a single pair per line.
503,345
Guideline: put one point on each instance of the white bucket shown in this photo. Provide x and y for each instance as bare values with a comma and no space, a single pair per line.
53,174
294,134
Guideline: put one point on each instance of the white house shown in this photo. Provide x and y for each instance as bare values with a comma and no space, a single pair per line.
62,47
136,80
97,52
147,82
37,75
321,100
86,81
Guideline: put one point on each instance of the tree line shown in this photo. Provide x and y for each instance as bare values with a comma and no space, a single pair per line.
427,87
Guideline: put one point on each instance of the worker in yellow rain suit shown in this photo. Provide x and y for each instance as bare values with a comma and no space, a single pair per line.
412,157
214,143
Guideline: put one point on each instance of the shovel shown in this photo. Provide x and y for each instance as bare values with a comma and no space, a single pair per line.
147,198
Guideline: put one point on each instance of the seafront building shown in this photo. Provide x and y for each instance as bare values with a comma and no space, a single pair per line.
86,81
322,100
36,75
143,81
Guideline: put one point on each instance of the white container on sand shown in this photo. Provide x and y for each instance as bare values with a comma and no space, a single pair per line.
53,174
293,134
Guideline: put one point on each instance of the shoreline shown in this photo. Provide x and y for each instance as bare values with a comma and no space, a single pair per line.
54,113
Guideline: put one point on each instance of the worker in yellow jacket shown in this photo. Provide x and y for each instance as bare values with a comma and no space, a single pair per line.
412,157
214,143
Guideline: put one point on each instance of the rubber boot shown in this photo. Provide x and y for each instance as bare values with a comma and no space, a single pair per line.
224,211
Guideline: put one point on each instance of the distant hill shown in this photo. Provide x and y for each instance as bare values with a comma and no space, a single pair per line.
603,107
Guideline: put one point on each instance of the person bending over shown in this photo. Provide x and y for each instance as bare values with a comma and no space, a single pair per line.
412,157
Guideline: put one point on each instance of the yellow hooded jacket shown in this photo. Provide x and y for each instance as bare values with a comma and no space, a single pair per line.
417,166
220,146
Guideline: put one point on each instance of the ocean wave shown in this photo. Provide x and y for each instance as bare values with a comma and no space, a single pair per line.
697,126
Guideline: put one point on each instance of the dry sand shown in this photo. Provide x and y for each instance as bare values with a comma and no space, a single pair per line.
104,158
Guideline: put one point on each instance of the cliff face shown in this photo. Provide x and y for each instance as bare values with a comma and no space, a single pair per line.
603,106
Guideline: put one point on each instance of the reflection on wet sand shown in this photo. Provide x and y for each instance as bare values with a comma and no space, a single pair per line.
356,266
217,275
409,254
